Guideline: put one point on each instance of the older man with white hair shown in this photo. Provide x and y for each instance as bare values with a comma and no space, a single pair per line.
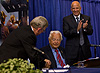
55,53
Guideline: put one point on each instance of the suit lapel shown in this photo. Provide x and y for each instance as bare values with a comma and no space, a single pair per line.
61,51
73,20
52,57
81,17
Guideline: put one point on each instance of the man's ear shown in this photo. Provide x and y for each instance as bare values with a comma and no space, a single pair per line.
71,9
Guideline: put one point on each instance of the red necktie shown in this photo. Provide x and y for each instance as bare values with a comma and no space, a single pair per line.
59,58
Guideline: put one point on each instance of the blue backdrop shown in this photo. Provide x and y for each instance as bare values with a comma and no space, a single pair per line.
55,10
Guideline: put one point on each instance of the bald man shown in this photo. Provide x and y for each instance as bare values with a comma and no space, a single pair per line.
76,28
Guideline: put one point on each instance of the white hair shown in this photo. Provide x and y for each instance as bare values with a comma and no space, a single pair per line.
56,33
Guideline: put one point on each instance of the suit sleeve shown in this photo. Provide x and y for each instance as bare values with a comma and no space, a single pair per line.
89,29
33,55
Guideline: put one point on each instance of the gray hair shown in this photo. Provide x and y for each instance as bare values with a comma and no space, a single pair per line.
39,21
56,33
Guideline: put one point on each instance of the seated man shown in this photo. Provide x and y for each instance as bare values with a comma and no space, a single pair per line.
54,51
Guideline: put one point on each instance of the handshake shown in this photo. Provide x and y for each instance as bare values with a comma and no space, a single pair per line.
47,63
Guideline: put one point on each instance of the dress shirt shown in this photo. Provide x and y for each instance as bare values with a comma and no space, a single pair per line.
78,17
54,53
76,21
32,28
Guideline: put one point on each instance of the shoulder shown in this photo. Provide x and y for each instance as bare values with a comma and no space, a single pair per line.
25,29
68,17
45,47
86,16
60,47
24,32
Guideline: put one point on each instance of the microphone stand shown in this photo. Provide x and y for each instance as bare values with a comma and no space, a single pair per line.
37,53
38,60
42,54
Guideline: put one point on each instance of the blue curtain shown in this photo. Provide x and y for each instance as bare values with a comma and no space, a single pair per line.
55,10
91,8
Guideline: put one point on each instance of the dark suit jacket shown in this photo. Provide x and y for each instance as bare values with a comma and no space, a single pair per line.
0,32
47,50
73,39
19,44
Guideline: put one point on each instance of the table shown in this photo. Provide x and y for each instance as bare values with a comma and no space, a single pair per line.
73,70
58,70
84,70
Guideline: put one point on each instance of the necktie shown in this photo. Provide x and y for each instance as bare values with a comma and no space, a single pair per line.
81,34
77,20
59,58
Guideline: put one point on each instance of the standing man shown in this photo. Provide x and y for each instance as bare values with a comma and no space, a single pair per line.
19,43
76,27
55,38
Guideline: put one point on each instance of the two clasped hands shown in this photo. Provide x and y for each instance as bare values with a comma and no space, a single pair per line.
81,24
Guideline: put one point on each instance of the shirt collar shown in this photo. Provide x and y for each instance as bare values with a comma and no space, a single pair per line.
78,16
32,28
53,50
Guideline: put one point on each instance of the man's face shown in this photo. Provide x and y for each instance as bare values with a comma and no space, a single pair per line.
40,30
75,8
55,40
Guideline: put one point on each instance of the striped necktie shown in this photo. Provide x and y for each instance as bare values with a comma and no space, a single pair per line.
59,58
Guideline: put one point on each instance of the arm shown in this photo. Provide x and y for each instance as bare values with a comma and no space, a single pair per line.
87,27
33,55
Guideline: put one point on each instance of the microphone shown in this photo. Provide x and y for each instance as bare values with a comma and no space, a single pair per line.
38,50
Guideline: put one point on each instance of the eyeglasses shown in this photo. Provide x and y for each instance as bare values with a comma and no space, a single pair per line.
56,39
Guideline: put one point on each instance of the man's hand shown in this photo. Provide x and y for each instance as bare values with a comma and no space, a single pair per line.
85,24
48,63
79,25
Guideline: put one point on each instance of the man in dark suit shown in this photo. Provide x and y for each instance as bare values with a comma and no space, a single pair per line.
55,38
19,43
76,27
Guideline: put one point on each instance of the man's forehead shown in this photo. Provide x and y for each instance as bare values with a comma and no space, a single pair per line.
75,3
